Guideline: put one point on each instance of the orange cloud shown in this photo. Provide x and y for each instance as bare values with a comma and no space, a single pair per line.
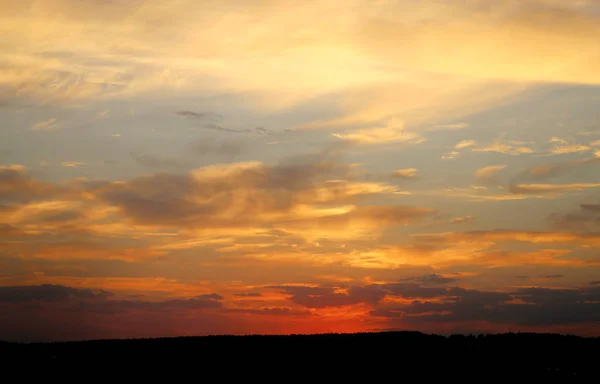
17,186
520,236
312,198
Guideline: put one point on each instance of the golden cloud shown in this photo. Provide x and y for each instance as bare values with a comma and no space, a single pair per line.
550,188
488,174
312,198
377,60
407,173
592,240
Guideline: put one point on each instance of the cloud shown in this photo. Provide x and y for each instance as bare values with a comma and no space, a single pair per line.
209,118
488,174
100,300
278,311
433,278
507,148
534,237
252,195
539,307
478,193
201,302
448,127
48,293
312,197
550,188
595,282
562,147
520,183
46,125
413,290
393,132
554,276
72,164
451,156
461,220
591,207
408,173
544,171
304,205
17,186
349,56
323,297
465,144
470,37
585,218
248,294
157,162
201,115
51,313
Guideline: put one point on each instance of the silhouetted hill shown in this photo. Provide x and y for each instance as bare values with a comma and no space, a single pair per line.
395,356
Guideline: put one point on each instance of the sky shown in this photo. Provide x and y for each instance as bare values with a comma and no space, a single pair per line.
184,167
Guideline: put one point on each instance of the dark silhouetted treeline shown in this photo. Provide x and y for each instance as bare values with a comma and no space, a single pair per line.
388,356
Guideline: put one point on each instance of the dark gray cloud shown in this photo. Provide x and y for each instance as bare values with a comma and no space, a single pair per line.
55,312
538,307
217,127
595,282
48,293
89,300
275,311
591,207
586,218
209,301
323,297
208,120
432,279
413,290
554,276
200,115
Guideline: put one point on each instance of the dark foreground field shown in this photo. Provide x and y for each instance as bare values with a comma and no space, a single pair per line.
387,356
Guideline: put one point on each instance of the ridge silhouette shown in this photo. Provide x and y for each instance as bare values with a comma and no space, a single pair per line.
368,355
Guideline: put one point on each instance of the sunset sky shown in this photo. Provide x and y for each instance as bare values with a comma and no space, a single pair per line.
202,167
